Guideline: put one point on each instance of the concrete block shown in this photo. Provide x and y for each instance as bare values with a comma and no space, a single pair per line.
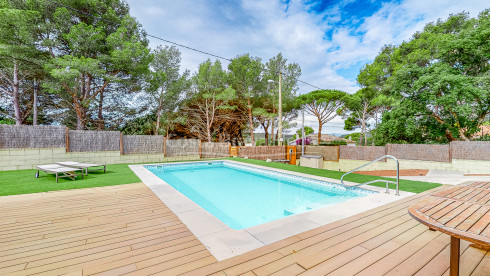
8,168
24,167
16,152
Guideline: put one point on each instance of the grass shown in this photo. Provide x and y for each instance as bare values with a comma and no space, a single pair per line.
24,181
405,185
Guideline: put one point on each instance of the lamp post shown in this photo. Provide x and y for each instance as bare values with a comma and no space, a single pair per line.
280,107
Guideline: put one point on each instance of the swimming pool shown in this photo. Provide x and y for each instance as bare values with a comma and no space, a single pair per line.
242,196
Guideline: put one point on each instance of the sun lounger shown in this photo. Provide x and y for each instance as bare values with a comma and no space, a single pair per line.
82,166
60,171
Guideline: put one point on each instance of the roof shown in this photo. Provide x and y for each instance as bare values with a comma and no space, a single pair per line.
327,138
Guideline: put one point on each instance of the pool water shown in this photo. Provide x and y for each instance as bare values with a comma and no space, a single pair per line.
242,196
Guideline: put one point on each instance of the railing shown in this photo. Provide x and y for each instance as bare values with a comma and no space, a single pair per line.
377,180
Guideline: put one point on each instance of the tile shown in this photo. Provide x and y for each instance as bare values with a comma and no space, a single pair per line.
281,229
229,243
201,223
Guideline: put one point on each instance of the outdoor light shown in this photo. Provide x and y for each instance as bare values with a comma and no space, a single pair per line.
280,107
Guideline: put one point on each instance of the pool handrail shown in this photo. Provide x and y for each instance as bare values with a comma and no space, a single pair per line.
377,180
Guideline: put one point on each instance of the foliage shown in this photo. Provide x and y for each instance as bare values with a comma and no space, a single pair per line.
88,53
308,131
334,143
324,104
260,142
441,77
300,141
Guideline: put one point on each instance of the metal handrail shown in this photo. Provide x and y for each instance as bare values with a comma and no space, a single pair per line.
377,180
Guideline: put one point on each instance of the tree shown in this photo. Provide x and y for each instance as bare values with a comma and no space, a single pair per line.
212,96
361,107
324,104
441,77
19,56
167,85
88,53
308,131
246,79
289,86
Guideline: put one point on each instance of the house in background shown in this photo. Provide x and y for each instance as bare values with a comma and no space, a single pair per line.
327,138
484,130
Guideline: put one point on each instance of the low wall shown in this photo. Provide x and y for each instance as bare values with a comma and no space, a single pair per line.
20,159
467,166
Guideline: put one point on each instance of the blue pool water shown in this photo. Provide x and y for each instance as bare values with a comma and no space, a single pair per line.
242,196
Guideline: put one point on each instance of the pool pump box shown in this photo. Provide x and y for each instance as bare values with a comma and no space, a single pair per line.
312,161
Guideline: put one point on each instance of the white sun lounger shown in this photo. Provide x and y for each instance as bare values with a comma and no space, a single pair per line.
82,166
60,171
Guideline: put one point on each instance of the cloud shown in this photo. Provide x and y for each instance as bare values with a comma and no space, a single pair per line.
326,41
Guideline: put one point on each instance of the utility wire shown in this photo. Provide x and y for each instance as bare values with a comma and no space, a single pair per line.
165,40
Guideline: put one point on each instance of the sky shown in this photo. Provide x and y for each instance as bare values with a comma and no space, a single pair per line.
330,40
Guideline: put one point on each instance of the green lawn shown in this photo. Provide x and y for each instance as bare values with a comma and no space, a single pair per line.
405,185
24,181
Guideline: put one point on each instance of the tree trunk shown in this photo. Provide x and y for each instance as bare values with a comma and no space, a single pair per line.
15,95
272,125
81,117
100,123
320,125
251,123
34,104
266,130
363,126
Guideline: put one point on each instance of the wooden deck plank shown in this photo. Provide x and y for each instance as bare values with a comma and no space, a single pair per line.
126,229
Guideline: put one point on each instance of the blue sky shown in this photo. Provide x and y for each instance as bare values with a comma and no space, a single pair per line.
331,40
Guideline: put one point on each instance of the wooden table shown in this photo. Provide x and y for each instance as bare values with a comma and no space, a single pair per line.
463,212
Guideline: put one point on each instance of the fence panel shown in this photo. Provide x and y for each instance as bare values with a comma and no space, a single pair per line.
93,140
182,147
18,137
471,150
263,152
143,144
438,153
361,153
215,150
329,153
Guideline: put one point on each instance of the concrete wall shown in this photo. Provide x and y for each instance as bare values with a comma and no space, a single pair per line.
20,159
467,166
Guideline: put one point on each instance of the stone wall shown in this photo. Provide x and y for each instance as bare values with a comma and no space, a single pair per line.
20,159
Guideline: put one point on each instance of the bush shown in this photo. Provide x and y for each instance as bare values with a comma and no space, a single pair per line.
334,143
307,141
260,142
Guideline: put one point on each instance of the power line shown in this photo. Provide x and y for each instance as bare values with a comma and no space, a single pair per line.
165,40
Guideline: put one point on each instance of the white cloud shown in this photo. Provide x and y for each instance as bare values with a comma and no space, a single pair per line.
264,28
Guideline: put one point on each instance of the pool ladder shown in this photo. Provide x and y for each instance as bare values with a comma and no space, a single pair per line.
377,180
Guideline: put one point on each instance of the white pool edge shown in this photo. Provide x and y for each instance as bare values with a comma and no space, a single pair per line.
224,242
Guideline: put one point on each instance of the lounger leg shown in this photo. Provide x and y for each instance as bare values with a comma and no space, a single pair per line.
104,168
56,177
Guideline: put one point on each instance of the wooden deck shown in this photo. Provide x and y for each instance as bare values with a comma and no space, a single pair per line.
126,229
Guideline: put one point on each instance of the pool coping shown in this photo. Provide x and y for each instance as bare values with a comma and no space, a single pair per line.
224,242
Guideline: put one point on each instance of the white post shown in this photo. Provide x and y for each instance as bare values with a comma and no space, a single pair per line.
303,134
280,109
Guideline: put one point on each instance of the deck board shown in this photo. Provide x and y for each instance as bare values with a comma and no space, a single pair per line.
127,230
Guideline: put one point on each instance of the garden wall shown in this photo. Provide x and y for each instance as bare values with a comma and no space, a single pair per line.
263,152
361,153
215,150
19,137
20,159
